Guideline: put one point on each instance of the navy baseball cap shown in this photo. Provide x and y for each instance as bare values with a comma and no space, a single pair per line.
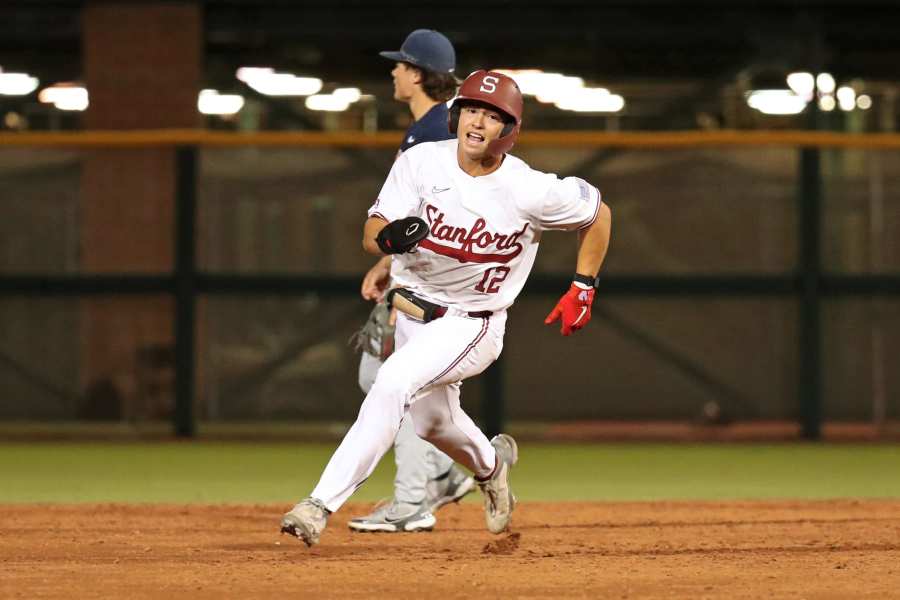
425,48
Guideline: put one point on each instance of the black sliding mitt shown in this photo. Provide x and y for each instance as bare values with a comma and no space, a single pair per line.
402,235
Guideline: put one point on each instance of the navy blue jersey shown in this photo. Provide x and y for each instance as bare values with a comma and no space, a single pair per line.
432,127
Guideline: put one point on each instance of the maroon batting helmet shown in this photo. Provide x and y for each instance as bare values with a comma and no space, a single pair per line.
498,91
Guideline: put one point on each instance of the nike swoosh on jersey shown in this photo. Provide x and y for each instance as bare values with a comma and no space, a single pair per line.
436,190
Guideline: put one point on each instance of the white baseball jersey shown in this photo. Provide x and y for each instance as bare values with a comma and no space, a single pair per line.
484,231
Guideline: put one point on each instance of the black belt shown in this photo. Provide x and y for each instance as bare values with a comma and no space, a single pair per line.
422,309
475,314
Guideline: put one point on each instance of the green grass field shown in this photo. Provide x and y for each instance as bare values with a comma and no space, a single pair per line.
244,472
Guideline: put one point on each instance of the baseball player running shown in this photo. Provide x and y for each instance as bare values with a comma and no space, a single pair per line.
463,220
426,478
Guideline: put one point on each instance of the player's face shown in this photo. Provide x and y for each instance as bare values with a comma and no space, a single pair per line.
478,127
405,80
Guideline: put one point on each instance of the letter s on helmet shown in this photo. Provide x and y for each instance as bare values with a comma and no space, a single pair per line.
496,90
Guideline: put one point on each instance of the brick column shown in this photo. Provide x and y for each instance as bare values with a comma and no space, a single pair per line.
142,67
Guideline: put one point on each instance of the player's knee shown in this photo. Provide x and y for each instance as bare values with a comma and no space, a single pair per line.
428,427
381,409
390,390
392,381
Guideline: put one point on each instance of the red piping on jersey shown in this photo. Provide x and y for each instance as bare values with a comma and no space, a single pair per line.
484,327
466,256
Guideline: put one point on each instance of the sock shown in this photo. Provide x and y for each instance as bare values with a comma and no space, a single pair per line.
489,477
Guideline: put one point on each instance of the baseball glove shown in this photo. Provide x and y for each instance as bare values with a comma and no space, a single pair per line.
402,235
377,336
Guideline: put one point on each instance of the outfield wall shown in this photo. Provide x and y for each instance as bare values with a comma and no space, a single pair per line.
681,210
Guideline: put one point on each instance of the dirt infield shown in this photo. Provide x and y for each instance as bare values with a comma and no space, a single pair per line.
835,549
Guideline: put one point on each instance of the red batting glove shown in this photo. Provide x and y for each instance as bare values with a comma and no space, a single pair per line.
574,309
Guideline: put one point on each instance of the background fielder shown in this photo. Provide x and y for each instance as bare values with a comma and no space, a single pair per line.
426,478
483,213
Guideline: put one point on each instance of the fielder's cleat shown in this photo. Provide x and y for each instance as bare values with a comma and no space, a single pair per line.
499,500
306,520
395,517
449,487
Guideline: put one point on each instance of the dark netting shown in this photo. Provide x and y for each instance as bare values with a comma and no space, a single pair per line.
285,358
722,210
280,357
287,210
654,358
300,211
861,342
675,211
861,212
39,211
104,358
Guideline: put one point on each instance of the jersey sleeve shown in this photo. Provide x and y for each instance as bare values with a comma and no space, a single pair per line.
569,204
399,195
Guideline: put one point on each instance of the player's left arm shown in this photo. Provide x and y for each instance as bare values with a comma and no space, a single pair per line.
397,237
392,227
574,308
593,241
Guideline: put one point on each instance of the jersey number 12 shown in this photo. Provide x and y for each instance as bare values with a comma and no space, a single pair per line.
492,287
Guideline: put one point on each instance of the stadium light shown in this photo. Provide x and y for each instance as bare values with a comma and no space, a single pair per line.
210,102
327,102
17,84
864,102
803,84
776,102
566,92
546,87
528,80
245,74
827,103
65,96
350,94
270,83
562,87
825,83
591,100
337,101
846,97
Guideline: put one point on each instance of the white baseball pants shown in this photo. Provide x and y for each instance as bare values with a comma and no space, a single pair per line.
417,460
420,379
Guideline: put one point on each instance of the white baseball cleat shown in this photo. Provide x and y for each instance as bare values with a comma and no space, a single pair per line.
306,520
499,500
395,517
450,487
